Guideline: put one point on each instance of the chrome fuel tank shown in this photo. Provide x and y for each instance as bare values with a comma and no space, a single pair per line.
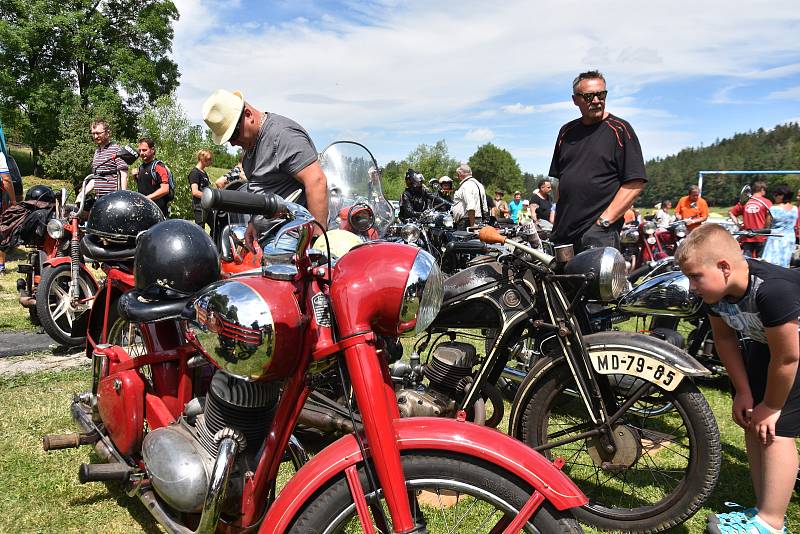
666,294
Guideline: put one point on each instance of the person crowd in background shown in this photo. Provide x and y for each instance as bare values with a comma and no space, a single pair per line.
470,206
198,180
599,164
692,209
501,210
541,204
755,214
662,217
106,166
515,206
779,249
152,176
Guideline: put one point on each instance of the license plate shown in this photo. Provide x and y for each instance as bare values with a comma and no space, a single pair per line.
638,365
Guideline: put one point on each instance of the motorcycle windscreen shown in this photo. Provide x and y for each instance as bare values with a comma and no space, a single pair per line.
354,177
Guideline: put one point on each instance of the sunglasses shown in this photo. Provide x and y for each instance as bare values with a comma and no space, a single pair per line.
588,97
235,134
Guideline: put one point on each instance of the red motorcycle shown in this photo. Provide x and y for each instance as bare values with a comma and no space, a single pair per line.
201,438
648,242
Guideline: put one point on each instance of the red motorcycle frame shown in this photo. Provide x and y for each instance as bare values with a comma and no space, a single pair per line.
365,304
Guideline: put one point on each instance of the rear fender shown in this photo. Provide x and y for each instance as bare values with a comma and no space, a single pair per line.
426,433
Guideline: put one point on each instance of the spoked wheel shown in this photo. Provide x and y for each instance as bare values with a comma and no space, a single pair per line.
666,458
54,306
453,493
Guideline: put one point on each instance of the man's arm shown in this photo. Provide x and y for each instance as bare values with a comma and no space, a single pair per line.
163,188
623,200
123,179
8,185
316,185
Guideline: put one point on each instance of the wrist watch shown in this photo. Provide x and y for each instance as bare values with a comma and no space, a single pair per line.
605,223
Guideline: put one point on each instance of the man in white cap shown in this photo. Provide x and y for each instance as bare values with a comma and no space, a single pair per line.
279,156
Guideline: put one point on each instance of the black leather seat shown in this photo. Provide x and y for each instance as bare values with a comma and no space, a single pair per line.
93,248
136,308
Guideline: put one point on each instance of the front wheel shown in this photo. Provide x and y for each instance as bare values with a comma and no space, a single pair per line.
454,493
667,456
54,307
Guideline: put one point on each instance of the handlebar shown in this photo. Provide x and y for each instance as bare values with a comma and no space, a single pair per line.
268,205
490,235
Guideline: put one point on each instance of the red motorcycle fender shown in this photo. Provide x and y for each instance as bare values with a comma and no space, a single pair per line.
427,433
53,262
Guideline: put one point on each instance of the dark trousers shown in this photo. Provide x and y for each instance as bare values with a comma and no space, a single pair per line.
596,237
753,249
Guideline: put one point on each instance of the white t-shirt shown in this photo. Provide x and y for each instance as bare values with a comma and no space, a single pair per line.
662,218
3,164
470,195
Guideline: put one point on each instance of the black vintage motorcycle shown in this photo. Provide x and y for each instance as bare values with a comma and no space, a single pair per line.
620,409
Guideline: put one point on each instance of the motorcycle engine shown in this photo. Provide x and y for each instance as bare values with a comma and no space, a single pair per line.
449,373
179,458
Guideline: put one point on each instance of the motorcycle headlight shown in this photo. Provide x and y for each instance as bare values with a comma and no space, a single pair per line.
361,218
608,266
423,294
55,228
629,237
649,228
680,230
651,240
410,233
447,220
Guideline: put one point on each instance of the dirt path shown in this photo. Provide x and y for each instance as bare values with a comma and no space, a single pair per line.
43,361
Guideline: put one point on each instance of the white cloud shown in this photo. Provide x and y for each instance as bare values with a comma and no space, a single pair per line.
480,135
400,66
518,109
792,93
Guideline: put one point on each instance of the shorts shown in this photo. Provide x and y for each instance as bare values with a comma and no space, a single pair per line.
756,362
753,249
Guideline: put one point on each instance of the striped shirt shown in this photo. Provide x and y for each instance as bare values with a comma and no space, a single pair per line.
105,169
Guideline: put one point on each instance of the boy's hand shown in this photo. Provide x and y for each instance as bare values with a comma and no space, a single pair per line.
763,420
742,408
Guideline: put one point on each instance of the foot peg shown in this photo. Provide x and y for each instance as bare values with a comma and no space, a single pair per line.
52,442
102,472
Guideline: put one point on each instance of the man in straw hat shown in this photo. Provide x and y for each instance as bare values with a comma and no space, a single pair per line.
279,156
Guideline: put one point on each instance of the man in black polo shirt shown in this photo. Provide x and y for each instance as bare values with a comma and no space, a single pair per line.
600,168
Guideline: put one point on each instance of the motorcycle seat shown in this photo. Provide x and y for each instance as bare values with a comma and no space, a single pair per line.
134,307
462,235
92,247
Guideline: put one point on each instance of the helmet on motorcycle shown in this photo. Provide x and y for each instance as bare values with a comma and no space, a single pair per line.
41,193
174,259
122,215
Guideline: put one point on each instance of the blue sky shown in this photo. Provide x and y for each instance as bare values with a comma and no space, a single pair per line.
395,74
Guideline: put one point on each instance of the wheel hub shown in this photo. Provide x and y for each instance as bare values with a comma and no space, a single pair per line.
628,445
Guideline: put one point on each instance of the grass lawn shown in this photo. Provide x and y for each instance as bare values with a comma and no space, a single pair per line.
40,491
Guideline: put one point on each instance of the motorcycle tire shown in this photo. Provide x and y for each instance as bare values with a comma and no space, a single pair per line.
444,475
52,303
661,432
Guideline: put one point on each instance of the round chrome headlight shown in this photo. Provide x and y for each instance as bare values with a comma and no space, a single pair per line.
55,228
447,220
410,233
235,328
649,228
360,218
423,294
608,266
680,230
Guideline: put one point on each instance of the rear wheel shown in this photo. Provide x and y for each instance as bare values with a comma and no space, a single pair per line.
454,493
54,306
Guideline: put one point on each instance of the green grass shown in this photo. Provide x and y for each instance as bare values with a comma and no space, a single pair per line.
39,492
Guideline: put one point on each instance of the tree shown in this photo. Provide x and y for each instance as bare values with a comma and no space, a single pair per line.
113,51
432,161
177,142
496,168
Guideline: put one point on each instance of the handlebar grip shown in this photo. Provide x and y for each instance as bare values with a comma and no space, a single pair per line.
269,205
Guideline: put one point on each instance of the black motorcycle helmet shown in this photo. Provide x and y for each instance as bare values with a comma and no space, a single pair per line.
413,178
41,193
174,259
121,216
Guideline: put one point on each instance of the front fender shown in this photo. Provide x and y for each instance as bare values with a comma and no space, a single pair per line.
427,433
55,262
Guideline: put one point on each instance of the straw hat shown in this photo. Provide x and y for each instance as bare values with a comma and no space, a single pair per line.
221,112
